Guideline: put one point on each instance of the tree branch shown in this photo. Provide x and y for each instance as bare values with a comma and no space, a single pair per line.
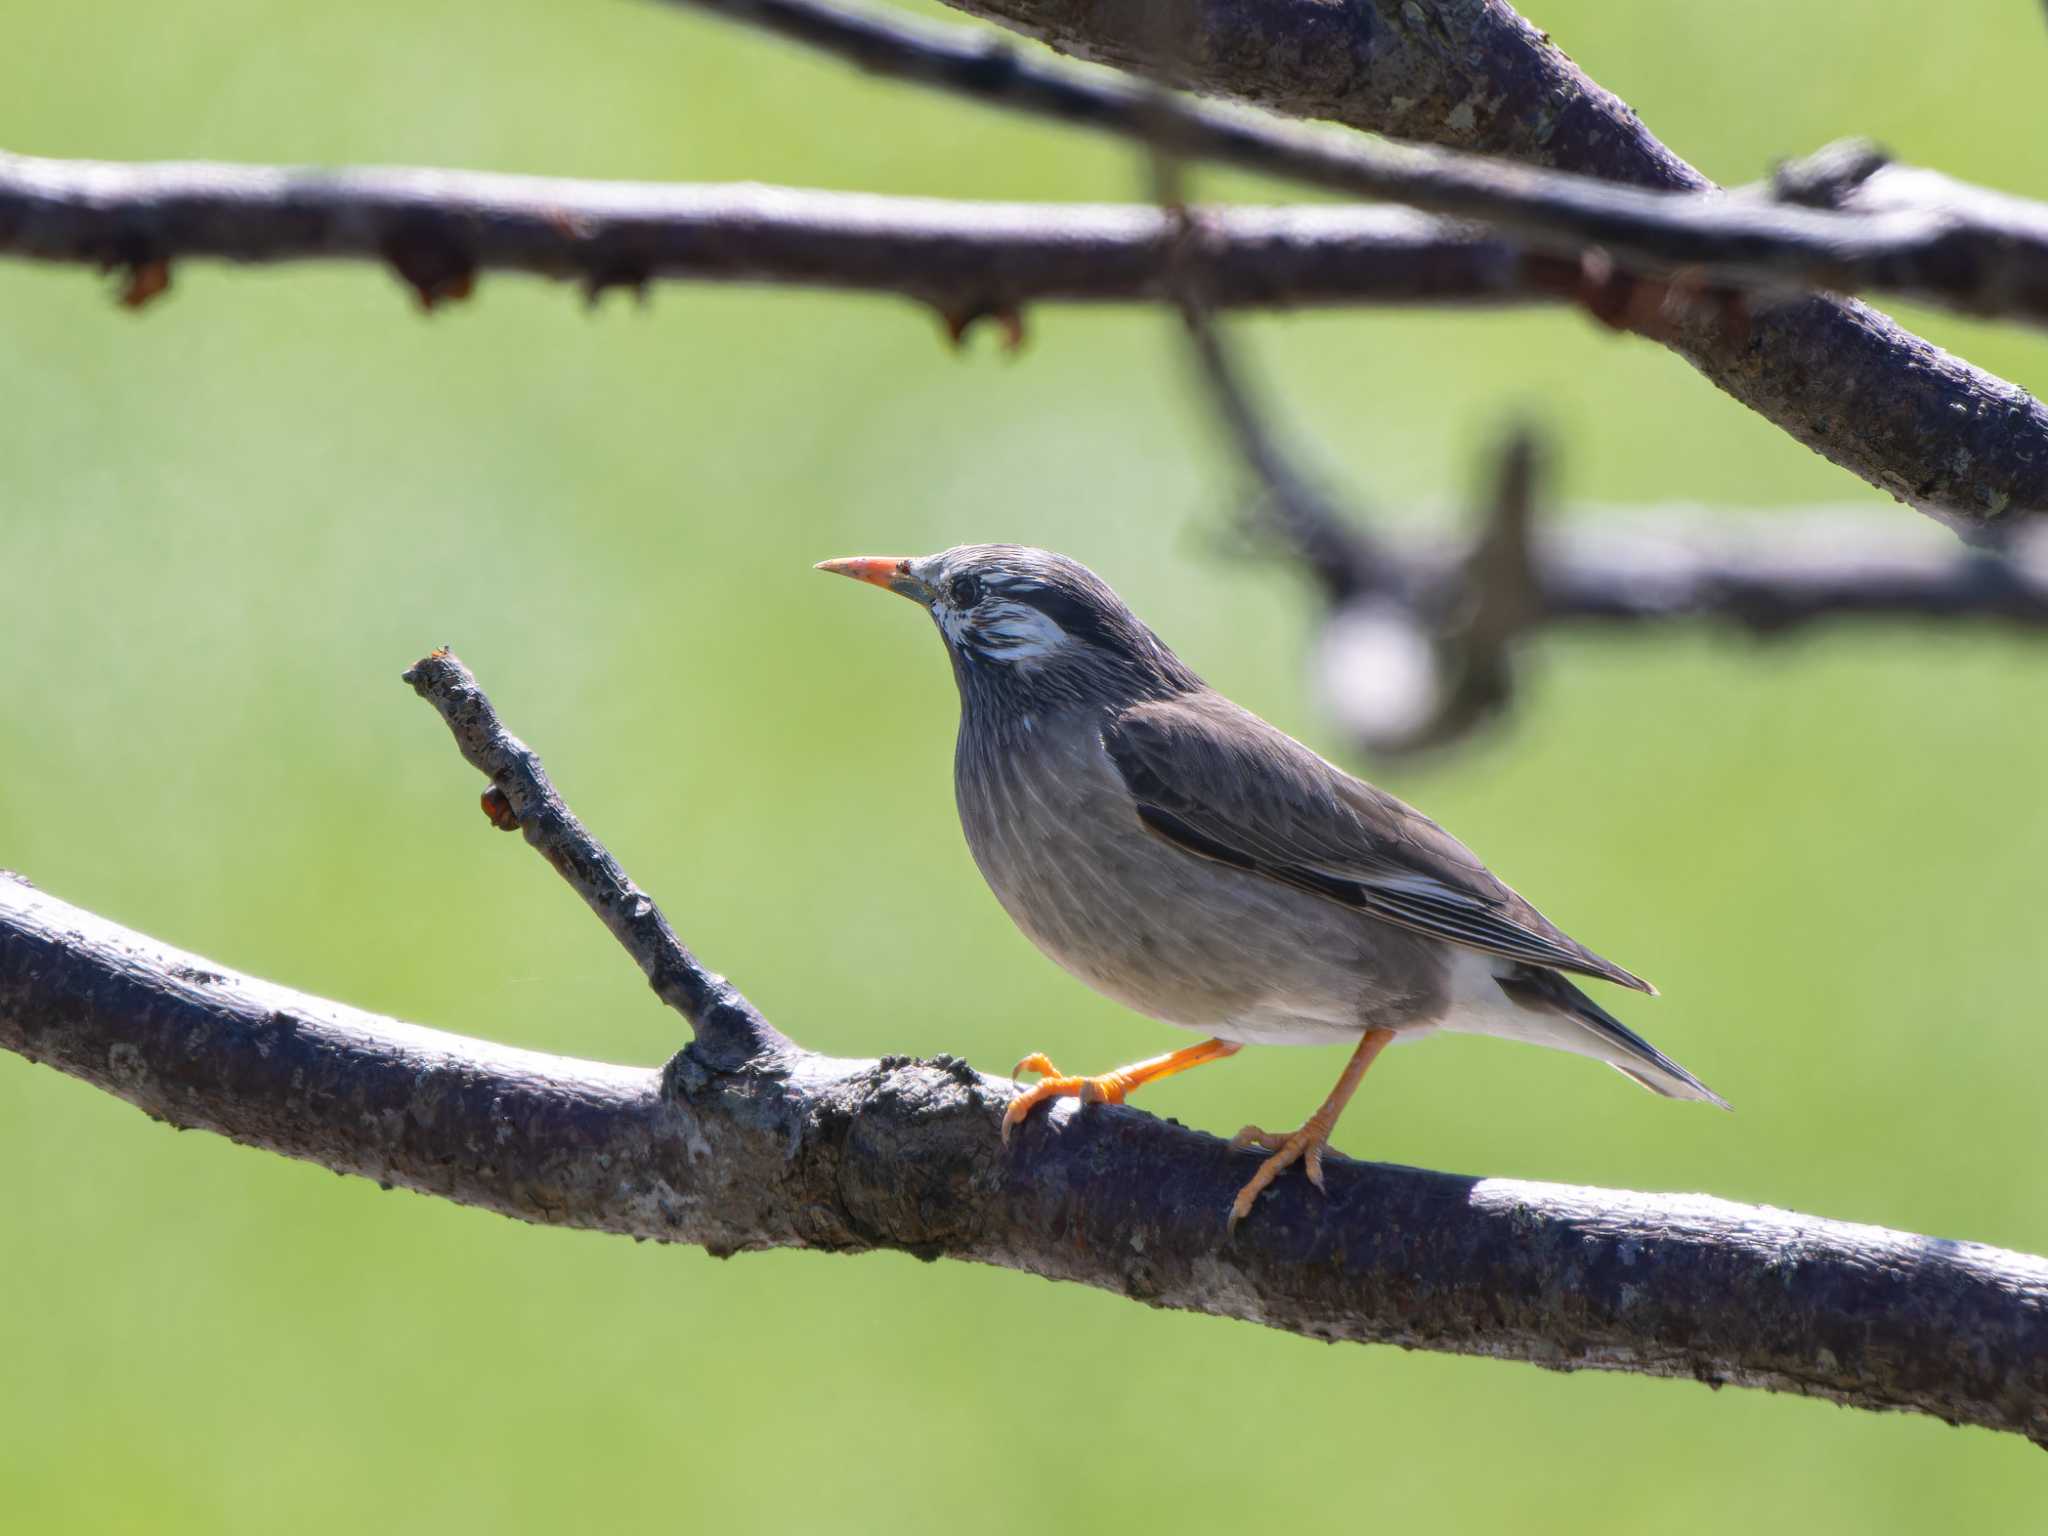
777,1147
1424,652
729,1032
438,229
1979,252
1419,645
1472,75
1951,440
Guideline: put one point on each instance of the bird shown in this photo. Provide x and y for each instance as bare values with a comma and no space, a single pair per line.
1199,866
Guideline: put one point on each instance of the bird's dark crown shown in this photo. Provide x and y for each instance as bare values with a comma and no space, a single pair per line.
1018,620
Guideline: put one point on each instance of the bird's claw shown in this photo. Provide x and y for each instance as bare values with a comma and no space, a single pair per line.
1054,1084
1304,1146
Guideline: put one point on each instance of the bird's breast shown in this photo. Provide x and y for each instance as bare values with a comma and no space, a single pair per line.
1057,837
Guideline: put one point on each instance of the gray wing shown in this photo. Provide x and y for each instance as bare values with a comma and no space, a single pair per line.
1221,783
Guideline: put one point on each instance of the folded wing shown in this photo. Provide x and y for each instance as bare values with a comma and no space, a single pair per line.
1222,784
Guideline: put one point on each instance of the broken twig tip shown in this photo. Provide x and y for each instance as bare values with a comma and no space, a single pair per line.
416,674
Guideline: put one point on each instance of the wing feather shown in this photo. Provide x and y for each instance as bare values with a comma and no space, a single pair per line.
1221,783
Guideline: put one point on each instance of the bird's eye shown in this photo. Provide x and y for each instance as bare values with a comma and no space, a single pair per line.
964,592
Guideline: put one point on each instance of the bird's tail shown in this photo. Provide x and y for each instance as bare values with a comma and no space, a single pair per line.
1611,1040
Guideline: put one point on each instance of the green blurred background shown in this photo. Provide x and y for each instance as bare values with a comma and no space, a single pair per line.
227,523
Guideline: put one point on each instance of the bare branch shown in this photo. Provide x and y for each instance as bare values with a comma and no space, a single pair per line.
1473,75
523,798
1427,654
1476,614
1345,559
1419,646
1951,440
800,1151
1985,256
438,229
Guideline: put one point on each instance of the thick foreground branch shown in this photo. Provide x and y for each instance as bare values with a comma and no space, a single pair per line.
776,1147
797,1150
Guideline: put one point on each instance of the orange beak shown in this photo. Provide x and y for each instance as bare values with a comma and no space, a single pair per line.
880,571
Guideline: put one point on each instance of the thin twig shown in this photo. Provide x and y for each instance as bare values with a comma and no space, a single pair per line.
1346,560
1414,657
1476,618
521,797
789,1149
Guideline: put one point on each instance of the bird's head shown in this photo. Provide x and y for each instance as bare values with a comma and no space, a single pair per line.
1027,624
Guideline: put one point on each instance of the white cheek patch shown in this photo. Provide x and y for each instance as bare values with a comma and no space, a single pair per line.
997,630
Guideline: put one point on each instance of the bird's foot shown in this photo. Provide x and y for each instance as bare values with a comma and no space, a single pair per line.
1304,1146
1109,1088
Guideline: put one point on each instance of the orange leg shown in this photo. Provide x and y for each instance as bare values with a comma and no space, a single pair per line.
1306,1145
1111,1087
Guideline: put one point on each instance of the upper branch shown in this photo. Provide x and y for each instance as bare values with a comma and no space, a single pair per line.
438,229
1467,74
778,1147
1958,443
1987,256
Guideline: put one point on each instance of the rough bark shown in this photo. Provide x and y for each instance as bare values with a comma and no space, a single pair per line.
790,1149
1467,74
1851,384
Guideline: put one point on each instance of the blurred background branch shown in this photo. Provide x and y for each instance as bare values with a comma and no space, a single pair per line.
1418,646
1421,631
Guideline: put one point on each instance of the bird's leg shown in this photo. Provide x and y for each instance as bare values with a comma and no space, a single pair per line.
1306,1145
1110,1087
